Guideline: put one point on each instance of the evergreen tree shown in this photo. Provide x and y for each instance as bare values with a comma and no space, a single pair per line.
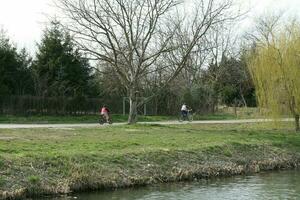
231,82
60,69
15,72
235,84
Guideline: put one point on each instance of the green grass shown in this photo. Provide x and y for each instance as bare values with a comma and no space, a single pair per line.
33,179
91,158
226,113
74,119
138,139
94,118
223,114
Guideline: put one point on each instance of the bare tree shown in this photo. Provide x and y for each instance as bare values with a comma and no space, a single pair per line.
131,35
220,41
264,29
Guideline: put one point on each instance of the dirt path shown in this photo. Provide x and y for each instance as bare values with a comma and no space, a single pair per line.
91,125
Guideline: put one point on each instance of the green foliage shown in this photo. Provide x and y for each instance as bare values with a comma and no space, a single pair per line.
60,69
275,69
33,179
15,71
187,97
1,163
231,81
2,181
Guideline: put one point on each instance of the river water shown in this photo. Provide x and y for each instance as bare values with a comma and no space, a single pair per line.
262,186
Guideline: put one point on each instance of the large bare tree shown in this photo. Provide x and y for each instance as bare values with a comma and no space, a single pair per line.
131,35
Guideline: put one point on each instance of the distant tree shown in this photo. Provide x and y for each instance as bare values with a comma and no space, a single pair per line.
131,35
274,65
15,78
235,84
230,82
60,69
108,87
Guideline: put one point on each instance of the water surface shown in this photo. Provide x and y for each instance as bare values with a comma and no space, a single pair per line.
266,185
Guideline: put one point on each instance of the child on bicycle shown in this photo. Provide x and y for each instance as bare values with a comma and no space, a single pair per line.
104,111
185,112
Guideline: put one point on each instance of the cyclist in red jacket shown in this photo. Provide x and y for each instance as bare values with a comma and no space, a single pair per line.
104,111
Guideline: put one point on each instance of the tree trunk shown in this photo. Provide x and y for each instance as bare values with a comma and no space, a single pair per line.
155,105
243,98
297,123
132,118
235,107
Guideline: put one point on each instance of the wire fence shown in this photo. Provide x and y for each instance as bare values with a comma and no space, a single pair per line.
81,105
32,105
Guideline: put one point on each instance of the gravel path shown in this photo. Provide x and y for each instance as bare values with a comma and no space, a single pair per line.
92,125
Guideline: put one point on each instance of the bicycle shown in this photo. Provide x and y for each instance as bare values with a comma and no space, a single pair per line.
102,120
187,117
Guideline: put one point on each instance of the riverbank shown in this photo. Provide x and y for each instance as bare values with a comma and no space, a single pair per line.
36,162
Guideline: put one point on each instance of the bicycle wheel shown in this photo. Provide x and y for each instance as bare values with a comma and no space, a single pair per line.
101,120
190,117
181,117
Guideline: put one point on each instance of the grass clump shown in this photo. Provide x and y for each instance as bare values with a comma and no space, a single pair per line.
2,181
33,179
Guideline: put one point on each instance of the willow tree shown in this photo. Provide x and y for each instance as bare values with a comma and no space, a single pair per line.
130,36
275,67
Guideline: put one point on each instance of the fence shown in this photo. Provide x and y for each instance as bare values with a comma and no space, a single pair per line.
80,105
29,105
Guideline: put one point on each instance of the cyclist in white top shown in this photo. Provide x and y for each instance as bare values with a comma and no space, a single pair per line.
184,110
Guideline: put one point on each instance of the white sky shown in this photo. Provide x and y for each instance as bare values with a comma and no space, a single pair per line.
24,20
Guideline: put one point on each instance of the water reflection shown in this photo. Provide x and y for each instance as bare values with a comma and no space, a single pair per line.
271,185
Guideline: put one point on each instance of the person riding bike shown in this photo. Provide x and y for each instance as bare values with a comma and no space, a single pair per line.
105,113
185,113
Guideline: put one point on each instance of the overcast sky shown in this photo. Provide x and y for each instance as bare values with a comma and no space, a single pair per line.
24,20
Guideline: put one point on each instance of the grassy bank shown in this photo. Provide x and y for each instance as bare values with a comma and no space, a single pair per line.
54,161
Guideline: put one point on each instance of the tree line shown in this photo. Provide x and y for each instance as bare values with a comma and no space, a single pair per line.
154,53
115,49
57,69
